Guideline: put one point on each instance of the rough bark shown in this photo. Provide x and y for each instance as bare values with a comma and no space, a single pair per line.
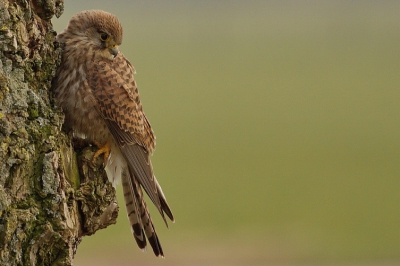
50,195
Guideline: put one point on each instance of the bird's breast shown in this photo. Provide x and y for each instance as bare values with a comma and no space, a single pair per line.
75,97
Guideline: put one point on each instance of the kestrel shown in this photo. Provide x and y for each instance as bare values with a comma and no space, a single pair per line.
96,89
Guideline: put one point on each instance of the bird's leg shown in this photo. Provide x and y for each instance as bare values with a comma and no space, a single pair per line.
103,149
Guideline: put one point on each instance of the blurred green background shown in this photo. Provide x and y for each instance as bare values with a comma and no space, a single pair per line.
277,128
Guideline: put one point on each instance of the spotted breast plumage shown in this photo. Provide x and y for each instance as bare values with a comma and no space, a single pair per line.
96,89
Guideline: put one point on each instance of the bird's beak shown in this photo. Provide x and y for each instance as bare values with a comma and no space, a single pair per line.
114,50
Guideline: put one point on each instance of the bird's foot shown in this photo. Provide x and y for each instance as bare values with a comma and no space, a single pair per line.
103,149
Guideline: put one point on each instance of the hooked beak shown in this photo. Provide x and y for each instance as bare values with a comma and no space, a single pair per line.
114,50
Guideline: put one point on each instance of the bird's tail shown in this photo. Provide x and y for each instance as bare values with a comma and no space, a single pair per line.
138,214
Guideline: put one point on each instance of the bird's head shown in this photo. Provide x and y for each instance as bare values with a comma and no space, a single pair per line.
95,29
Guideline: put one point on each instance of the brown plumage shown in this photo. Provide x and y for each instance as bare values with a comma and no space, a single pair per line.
96,89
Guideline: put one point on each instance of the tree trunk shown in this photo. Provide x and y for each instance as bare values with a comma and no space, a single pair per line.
50,195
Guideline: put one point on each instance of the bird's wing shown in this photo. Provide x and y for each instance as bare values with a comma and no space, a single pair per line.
114,87
140,166
117,96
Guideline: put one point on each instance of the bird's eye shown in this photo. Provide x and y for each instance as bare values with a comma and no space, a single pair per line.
104,37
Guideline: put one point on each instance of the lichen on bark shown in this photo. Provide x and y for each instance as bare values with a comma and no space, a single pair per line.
50,196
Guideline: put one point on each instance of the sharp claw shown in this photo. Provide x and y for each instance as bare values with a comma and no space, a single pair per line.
103,149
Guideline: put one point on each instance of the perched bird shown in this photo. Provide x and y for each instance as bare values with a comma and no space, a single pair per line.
95,87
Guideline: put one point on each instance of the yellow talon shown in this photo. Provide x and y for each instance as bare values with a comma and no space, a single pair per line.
103,149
